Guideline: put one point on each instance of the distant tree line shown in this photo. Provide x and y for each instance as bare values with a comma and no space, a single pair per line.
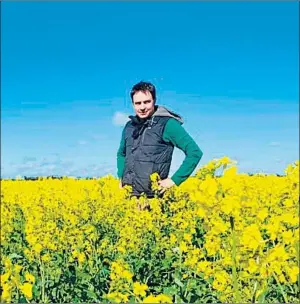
31,178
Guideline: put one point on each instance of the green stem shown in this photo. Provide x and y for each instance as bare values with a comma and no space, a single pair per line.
136,297
254,289
43,280
180,256
237,298
187,288
281,289
298,261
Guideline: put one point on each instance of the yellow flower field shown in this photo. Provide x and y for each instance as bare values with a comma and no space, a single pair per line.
223,237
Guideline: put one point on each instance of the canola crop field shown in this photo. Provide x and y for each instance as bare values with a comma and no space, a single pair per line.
216,238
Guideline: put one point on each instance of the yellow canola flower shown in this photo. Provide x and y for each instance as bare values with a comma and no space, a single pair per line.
228,205
187,237
18,268
117,297
230,172
288,237
183,247
5,277
81,257
262,214
253,267
158,299
37,248
221,280
191,226
29,278
162,298
202,266
126,275
121,249
293,273
7,263
201,212
290,218
173,239
251,237
6,292
26,289
46,257
150,299
277,253
139,289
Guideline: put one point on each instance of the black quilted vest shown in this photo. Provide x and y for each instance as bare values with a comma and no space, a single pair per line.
146,154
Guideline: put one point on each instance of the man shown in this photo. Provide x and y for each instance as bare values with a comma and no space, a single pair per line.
148,141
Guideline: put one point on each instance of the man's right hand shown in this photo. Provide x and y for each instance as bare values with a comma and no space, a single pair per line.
120,184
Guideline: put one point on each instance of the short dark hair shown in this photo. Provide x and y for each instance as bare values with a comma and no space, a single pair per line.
144,86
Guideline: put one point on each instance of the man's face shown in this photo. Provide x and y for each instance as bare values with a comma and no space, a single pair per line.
143,104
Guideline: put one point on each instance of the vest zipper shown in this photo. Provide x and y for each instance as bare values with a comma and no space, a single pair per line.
143,136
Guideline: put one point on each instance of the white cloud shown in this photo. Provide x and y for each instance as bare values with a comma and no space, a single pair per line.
31,166
99,137
90,170
278,160
120,119
82,142
27,159
274,144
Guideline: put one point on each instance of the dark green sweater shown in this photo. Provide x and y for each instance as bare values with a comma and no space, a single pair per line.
177,135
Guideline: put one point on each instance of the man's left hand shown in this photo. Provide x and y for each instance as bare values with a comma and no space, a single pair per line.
165,184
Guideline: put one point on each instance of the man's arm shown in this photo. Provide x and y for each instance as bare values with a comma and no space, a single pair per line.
177,135
121,156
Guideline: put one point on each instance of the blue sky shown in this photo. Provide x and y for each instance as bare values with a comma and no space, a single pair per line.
230,69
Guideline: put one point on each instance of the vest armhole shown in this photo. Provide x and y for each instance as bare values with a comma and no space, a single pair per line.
126,127
163,130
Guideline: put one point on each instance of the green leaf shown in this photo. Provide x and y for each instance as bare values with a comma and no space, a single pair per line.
83,275
91,294
50,283
15,256
77,290
192,283
35,291
178,299
22,300
53,292
105,271
188,297
57,278
199,292
170,290
166,263
262,297
178,282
